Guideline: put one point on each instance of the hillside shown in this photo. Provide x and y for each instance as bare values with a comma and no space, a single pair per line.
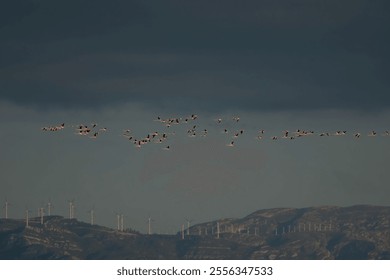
357,232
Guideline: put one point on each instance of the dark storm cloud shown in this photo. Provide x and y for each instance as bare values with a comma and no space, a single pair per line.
213,55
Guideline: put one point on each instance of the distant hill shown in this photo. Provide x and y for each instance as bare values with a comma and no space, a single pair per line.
357,232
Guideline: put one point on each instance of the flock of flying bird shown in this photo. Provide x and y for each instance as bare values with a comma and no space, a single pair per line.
92,131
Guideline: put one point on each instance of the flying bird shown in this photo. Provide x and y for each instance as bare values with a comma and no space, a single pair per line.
94,136
231,144
137,144
340,133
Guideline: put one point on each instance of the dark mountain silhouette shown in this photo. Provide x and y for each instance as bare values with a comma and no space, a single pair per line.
357,232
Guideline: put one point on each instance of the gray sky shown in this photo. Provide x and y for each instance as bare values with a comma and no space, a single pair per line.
313,65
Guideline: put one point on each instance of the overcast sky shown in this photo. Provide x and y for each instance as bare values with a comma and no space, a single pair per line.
278,64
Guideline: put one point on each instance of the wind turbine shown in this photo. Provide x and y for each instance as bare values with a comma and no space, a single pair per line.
27,217
118,220
150,225
188,226
92,215
73,206
41,212
71,209
6,204
182,231
49,205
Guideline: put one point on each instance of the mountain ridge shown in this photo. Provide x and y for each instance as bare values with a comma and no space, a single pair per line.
323,232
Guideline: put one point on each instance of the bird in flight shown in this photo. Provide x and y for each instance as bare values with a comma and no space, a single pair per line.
231,144
94,131
372,134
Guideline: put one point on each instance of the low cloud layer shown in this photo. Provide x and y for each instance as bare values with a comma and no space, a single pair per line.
257,55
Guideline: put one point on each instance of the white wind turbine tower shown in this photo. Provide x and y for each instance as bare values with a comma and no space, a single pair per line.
49,205
92,216
188,226
27,217
73,206
149,225
41,212
118,219
71,209
217,230
182,231
6,205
